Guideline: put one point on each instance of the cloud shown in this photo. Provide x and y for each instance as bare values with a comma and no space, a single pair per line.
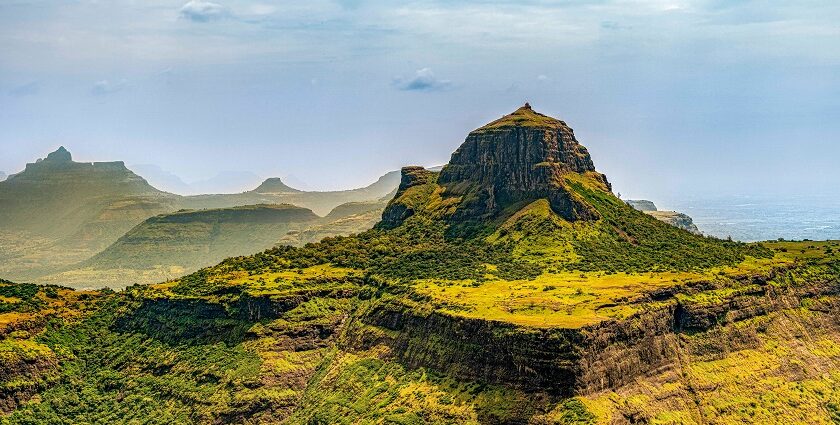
423,80
542,78
203,11
27,89
104,87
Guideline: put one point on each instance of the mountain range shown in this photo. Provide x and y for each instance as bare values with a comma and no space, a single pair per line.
57,212
510,287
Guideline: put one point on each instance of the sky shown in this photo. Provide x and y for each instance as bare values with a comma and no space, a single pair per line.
673,98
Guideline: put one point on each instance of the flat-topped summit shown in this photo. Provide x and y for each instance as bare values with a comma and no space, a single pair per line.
523,117
520,157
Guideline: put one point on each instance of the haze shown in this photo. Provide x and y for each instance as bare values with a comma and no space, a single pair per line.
673,98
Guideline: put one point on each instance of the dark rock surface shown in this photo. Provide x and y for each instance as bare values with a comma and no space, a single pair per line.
397,211
585,360
518,158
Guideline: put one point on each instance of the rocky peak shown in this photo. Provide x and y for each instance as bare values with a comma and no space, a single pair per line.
413,176
398,210
274,185
518,158
60,155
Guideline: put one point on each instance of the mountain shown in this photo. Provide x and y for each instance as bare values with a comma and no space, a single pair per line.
2,176
274,191
517,159
343,220
171,245
516,291
58,212
274,185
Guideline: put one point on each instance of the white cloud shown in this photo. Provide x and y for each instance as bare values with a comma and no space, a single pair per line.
103,87
203,11
423,80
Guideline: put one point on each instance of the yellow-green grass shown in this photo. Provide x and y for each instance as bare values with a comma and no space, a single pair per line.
576,299
522,117
564,299
782,380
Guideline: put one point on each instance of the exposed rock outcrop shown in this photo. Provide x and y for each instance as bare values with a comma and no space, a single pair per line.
60,155
641,204
399,210
583,360
676,219
518,158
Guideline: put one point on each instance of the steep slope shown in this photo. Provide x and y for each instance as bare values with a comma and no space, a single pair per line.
514,160
553,302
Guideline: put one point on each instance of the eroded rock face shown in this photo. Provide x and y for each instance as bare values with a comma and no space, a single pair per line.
518,158
641,204
397,211
586,360
676,219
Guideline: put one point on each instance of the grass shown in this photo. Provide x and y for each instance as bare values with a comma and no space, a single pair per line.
522,117
789,376
564,300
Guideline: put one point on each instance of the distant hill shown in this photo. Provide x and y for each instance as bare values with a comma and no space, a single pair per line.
274,191
73,208
2,176
343,220
167,246
58,212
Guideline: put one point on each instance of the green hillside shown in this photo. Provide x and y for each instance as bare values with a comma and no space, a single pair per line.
512,287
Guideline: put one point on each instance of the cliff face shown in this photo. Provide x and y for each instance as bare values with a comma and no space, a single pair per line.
678,220
520,157
641,205
593,358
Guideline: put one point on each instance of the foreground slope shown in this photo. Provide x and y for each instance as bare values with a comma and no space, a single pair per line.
494,295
